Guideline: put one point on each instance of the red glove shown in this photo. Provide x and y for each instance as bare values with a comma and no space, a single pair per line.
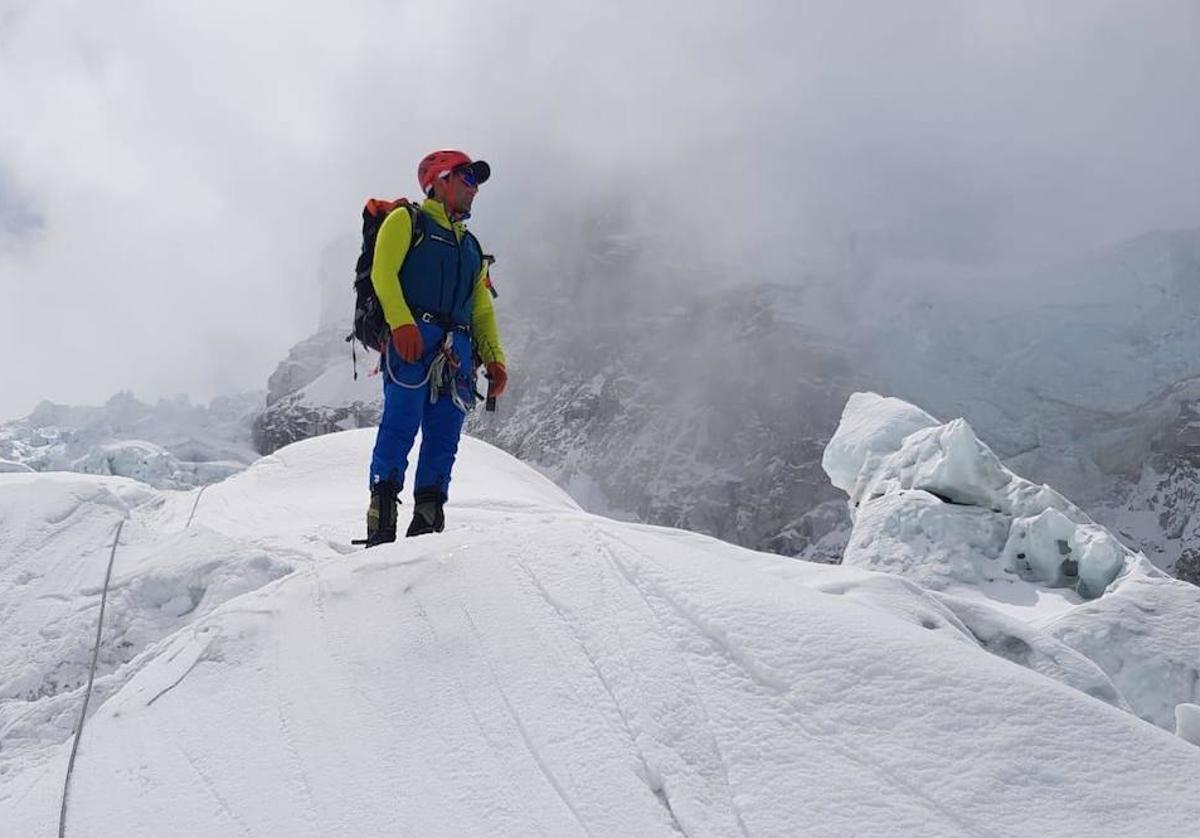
497,378
408,343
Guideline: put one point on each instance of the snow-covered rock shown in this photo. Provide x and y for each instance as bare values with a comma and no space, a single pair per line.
1157,503
320,388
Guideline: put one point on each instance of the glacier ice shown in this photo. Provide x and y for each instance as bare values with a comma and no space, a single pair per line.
932,503
916,476
1187,722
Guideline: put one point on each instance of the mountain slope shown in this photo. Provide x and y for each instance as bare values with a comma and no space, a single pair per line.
535,670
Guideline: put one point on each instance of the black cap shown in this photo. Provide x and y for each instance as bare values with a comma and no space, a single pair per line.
480,169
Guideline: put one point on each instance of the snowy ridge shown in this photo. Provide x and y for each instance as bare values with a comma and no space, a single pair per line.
1053,370
535,670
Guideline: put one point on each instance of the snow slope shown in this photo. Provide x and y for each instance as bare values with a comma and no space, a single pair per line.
535,670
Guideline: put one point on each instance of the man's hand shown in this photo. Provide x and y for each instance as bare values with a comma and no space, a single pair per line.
408,343
497,378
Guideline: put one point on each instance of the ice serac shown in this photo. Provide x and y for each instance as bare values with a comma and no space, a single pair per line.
871,426
536,670
1020,565
919,482
172,444
1187,722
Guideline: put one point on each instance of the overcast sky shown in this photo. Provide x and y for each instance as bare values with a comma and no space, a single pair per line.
170,170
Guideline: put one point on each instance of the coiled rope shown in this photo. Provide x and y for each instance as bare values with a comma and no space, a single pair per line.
87,695
440,374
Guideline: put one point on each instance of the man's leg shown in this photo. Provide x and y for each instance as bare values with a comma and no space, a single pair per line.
402,411
441,428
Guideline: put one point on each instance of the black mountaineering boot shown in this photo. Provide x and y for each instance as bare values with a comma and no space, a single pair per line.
381,514
427,512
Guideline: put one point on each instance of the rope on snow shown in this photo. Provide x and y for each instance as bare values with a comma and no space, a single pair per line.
87,695
194,505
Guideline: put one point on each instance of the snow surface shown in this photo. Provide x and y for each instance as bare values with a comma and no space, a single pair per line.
1030,575
534,670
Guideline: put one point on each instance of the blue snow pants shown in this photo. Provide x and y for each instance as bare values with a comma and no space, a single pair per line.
405,410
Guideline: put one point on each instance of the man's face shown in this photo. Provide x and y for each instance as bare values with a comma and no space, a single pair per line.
460,189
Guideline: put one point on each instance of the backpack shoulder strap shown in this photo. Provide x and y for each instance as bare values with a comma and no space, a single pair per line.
417,217
418,225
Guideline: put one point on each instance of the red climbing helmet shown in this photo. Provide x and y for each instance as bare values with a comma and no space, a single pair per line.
439,164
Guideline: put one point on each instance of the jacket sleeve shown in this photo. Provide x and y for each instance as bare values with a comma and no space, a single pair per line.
391,246
483,322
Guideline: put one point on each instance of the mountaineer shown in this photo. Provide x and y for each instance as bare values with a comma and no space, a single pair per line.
430,276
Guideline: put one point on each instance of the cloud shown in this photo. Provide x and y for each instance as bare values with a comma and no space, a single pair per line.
187,163
18,218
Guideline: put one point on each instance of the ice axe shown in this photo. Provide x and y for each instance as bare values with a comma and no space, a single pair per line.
489,403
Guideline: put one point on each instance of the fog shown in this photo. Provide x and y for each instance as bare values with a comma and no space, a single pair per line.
170,173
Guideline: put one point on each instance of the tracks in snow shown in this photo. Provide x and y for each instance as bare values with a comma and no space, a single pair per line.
804,716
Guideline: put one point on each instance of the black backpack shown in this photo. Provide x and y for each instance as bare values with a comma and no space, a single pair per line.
370,327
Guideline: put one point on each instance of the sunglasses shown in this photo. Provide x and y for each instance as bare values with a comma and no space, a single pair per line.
468,176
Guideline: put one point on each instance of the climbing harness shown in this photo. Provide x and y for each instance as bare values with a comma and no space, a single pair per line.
87,695
441,373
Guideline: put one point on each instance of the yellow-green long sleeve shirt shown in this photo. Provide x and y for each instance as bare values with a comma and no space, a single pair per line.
391,247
